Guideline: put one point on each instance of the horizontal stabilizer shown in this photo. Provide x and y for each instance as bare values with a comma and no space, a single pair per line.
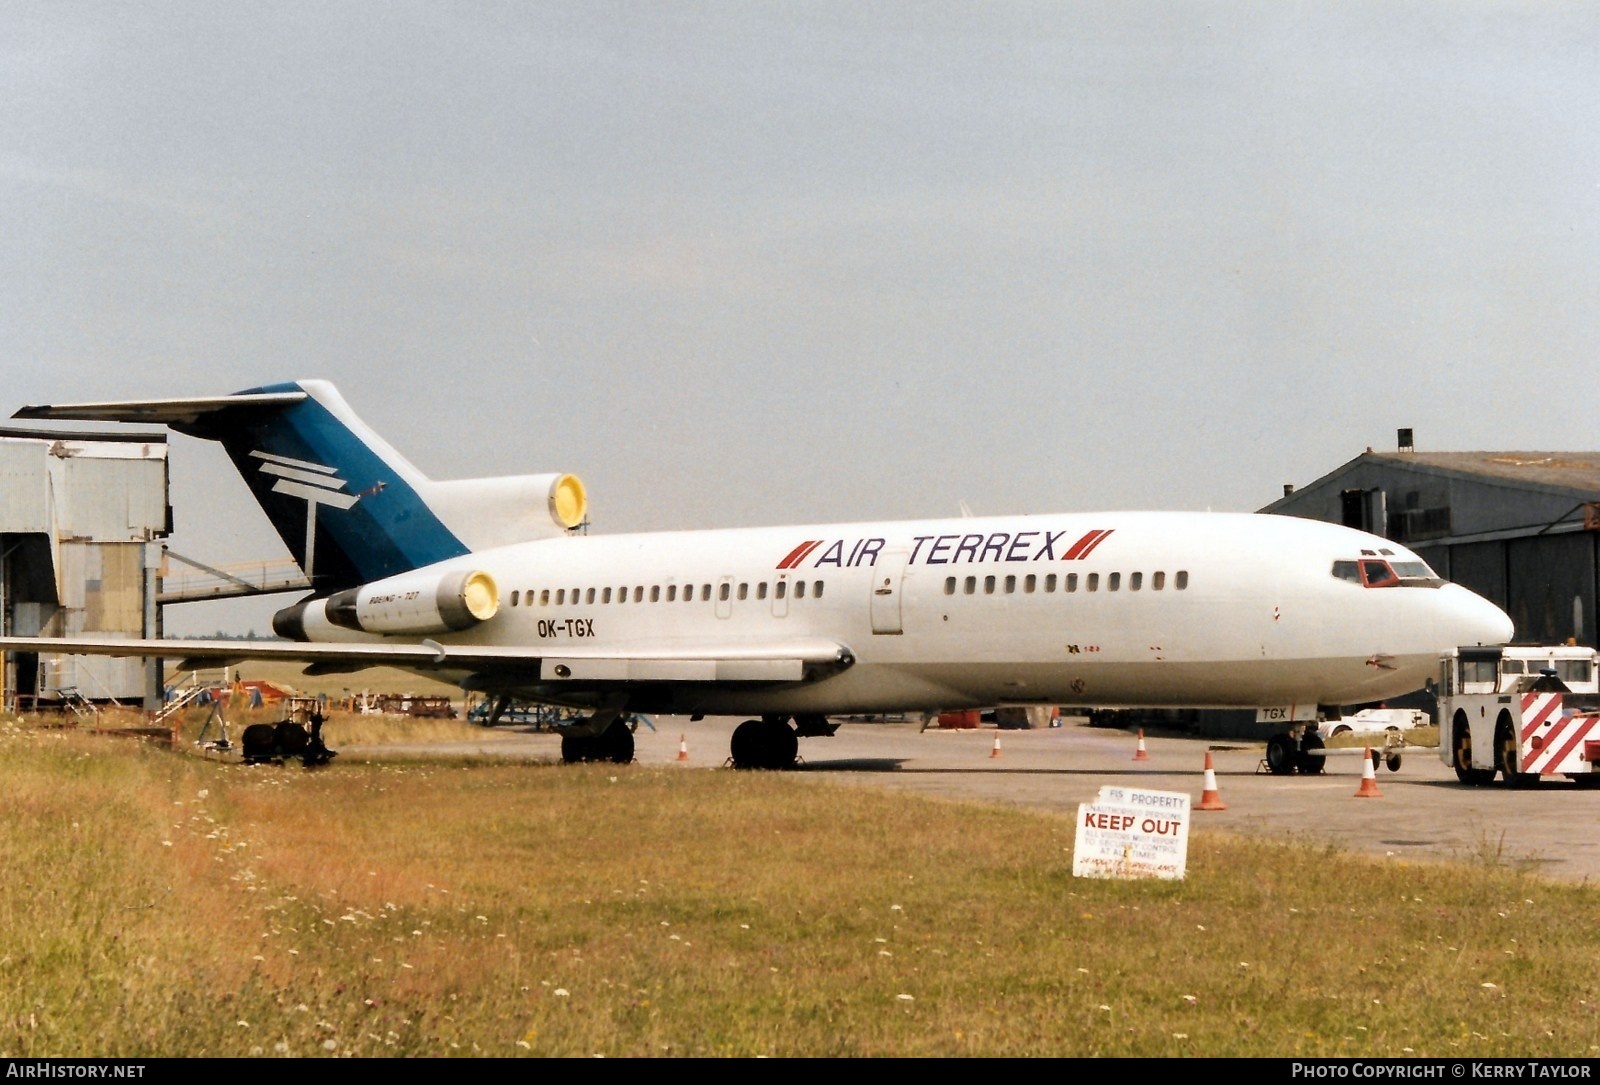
170,412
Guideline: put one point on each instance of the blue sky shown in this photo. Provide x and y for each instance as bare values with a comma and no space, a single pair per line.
744,263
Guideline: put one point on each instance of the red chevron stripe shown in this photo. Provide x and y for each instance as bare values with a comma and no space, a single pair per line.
1577,729
1090,540
797,555
1104,535
1536,711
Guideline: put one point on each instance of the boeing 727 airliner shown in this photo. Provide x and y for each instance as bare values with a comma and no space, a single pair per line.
492,584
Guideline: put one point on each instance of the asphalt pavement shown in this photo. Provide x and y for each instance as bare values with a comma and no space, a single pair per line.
1418,812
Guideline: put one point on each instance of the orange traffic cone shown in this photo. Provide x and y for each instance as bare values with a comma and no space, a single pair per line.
1140,754
683,747
996,751
1369,779
1209,799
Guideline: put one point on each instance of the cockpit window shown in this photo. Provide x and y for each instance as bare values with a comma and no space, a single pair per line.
1376,572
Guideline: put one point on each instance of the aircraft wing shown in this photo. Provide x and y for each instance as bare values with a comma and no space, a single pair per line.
778,661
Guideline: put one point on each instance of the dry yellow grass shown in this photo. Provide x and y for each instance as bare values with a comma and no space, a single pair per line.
157,904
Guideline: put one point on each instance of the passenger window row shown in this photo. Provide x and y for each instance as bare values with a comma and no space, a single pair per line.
1068,583
670,593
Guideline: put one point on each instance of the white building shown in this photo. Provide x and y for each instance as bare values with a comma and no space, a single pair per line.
81,519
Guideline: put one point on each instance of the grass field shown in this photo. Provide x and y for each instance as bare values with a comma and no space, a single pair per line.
158,904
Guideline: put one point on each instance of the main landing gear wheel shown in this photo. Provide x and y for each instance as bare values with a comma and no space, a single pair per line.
1311,763
1287,755
615,745
1280,755
764,744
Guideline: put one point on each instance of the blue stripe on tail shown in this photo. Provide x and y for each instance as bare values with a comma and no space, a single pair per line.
370,520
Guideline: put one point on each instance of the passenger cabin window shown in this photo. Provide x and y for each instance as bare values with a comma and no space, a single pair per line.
1113,581
1091,582
1180,580
1135,581
1158,581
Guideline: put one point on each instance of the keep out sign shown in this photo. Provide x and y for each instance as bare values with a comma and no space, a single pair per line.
1126,833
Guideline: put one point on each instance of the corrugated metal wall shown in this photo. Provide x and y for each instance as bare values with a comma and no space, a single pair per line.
81,518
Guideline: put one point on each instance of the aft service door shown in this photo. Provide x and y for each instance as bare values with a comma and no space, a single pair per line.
887,578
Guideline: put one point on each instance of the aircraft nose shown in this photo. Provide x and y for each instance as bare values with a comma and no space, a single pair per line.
1475,620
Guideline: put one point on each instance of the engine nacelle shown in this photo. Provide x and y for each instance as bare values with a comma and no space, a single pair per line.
411,603
489,512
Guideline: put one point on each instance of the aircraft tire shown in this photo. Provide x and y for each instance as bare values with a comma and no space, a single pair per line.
1310,764
783,743
763,744
616,745
576,748
745,744
1280,755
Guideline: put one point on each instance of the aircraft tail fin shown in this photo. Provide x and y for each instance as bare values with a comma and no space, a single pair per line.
350,508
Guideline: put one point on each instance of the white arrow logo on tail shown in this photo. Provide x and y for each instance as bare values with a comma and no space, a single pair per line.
312,483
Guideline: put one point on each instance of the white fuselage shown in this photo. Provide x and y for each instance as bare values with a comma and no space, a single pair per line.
1104,609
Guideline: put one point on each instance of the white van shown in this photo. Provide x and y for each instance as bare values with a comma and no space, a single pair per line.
1377,721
